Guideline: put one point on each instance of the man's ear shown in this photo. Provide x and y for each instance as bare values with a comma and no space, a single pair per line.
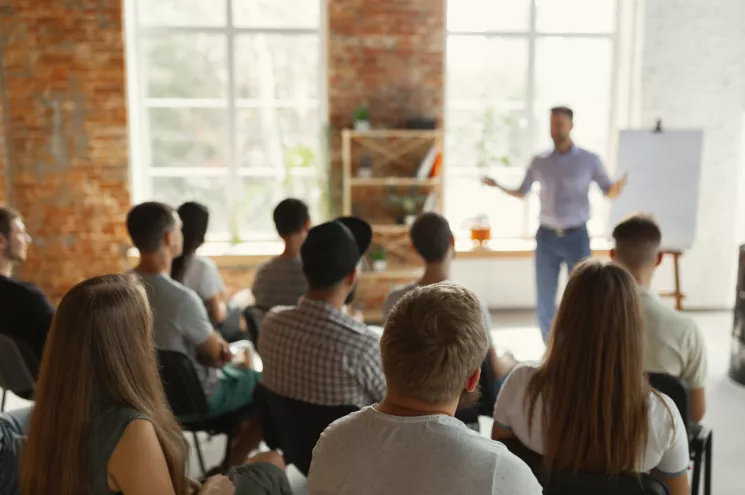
352,277
308,224
3,242
473,381
660,255
613,254
168,238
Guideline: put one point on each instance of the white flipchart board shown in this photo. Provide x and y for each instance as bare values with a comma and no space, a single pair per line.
664,174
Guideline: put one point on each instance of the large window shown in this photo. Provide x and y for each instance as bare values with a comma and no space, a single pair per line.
227,98
508,63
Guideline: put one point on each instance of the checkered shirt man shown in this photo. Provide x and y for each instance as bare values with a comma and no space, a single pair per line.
314,353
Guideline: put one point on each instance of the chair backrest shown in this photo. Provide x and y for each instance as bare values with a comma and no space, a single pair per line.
15,374
560,483
675,388
294,426
182,386
253,315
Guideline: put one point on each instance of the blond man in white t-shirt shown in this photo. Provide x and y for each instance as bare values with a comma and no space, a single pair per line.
410,443
673,343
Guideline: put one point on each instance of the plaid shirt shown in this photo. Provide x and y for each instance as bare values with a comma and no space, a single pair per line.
314,353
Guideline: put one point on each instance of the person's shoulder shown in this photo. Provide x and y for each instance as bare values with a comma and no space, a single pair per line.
204,263
671,320
277,314
345,429
524,370
26,288
173,292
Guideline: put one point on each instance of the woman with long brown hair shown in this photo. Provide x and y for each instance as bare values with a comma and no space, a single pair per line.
101,424
588,406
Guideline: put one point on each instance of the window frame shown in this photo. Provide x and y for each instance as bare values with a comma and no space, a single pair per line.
532,35
142,170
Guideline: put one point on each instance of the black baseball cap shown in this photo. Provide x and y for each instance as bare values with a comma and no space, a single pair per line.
332,250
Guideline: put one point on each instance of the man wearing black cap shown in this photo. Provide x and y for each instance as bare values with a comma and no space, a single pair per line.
314,352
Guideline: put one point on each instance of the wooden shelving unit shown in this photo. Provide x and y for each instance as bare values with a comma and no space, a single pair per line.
395,156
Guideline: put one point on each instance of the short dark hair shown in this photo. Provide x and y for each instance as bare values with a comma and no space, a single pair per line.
290,216
638,239
431,235
148,223
563,111
7,217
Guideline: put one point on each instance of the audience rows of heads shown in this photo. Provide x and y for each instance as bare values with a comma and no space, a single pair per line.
101,422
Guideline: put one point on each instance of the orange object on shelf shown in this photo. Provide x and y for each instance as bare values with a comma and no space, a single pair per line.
435,172
480,234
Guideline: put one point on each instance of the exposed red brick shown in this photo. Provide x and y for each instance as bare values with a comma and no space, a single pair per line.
63,63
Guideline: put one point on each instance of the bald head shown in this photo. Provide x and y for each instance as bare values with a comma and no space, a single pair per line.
638,239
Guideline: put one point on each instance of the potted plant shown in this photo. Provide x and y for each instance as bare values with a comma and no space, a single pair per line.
408,205
362,119
364,170
378,259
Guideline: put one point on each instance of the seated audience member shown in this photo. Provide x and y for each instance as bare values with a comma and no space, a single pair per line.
673,344
101,424
200,273
181,323
434,242
26,312
280,281
315,352
13,428
410,443
588,406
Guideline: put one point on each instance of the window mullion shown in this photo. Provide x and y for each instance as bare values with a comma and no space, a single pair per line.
234,185
530,104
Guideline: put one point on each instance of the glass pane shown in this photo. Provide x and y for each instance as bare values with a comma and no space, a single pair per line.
186,66
481,69
210,191
467,199
576,16
256,199
278,137
272,67
188,137
182,12
277,13
485,136
573,72
488,15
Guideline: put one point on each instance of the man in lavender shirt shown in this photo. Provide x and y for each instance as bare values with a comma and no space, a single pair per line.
565,175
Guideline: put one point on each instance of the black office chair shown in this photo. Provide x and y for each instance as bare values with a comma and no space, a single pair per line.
485,404
187,400
700,438
252,316
562,483
293,426
15,373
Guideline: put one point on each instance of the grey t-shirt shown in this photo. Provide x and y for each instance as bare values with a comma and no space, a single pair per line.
398,293
180,322
279,282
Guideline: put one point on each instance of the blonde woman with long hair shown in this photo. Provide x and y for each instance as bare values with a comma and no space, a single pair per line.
588,406
101,424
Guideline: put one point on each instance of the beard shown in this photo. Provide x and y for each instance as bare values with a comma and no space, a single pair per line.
469,399
352,294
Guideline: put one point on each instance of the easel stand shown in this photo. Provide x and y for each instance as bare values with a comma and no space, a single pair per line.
677,294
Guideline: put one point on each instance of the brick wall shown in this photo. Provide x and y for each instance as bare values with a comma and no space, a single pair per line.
388,55
64,85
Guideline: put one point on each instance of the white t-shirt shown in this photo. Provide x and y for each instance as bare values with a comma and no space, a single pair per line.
673,343
373,453
202,277
667,442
